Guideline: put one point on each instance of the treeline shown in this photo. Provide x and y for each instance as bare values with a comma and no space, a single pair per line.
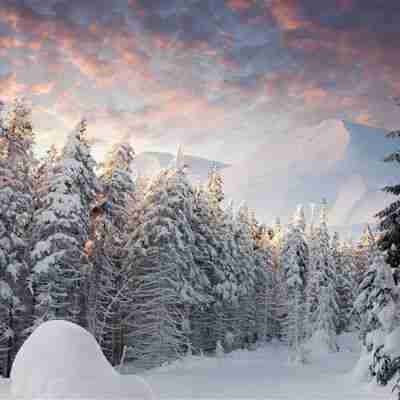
157,268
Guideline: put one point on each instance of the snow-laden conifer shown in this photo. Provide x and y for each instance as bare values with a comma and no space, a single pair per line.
61,229
16,205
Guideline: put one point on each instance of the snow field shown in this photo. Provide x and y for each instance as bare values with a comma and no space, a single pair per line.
265,374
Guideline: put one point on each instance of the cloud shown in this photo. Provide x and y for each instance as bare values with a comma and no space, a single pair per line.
243,81
286,15
42,88
9,87
350,192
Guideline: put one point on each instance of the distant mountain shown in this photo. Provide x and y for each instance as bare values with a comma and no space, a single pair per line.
350,231
149,163
365,152
353,185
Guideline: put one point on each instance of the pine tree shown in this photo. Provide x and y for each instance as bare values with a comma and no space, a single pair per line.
278,290
205,257
343,267
110,283
61,227
224,282
264,282
364,252
294,262
322,297
375,292
389,224
16,203
153,255
168,284
246,273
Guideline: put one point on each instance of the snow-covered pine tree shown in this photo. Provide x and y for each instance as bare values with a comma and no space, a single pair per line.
247,276
195,285
343,267
294,261
168,283
225,281
214,188
322,298
325,318
110,283
378,301
389,224
364,252
205,257
154,317
61,230
264,282
16,204
373,294
278,290
277,234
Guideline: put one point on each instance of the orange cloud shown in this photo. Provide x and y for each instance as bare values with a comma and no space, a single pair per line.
9,87
314,94
42,88
364,118
286,15
10,16
239,4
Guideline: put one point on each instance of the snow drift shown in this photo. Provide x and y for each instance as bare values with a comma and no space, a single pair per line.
61,359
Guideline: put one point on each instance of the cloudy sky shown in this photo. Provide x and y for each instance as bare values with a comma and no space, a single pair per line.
264,85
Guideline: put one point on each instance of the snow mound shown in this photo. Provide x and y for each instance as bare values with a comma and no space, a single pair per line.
63,360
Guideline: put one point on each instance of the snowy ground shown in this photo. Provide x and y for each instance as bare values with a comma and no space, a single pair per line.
261,374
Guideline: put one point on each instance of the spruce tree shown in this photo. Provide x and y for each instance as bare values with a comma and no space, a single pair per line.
110,295
389,223
168,284
294,262
16,204
263,283
225,281
205,257
247,276
343,267
61,229
322,297
375,292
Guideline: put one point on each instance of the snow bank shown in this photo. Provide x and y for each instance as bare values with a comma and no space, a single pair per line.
61,359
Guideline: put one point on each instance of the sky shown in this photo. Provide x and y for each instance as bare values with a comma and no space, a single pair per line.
264,85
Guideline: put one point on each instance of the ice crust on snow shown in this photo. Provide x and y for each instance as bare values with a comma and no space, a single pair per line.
63,360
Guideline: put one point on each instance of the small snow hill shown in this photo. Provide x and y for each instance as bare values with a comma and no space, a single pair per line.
63,360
